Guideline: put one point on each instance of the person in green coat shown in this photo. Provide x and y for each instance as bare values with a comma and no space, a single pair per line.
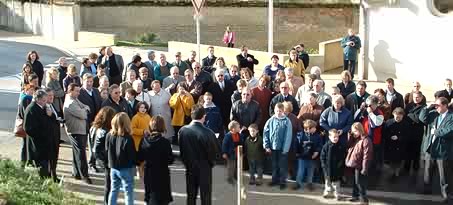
350,44
437,145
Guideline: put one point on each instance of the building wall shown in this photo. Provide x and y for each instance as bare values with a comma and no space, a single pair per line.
408,42
292,25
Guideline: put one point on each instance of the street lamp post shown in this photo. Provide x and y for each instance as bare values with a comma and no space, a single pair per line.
270,29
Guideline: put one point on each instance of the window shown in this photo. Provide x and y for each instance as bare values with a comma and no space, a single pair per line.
443,7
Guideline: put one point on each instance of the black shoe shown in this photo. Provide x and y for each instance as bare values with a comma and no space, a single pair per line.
77,177
87,180
282,186
354,199
94,169
56,180
272,184
296,187
62,142
252,182
258,183
444,201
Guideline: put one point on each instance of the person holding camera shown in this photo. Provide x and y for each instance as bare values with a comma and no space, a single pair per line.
437,146
350,44
372,119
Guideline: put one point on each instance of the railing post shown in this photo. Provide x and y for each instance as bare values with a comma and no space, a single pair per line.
240,182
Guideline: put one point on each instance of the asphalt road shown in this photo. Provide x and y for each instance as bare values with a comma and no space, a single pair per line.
12,57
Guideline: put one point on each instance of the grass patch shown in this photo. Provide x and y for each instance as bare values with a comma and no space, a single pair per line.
24,186
137,44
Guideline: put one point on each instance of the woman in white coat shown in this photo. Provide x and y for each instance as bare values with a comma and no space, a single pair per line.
160,106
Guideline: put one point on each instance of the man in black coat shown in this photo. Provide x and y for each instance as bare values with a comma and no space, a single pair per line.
90,96
282,97
115,101
208,62
62,69
55,136
198,151
221,91
448,91
201,76
394,98
246,60
37,120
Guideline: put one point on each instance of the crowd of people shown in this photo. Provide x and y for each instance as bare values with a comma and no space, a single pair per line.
129,115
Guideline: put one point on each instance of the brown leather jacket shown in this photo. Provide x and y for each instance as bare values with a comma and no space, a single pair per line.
360,153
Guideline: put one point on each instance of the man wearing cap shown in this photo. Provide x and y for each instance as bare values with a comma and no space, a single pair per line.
272,69
182,65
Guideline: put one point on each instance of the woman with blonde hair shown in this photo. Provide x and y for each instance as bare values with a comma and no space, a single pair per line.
52,81
247,75
71,77
346,86
121,158
229,37
295,63
359,156
155,151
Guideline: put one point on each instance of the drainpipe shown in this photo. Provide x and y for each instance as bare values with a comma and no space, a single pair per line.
363,31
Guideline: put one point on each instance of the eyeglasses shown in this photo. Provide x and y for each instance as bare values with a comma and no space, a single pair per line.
246,94
219,75
196,67
116,92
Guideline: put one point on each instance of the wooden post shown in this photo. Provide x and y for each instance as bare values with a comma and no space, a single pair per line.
240,182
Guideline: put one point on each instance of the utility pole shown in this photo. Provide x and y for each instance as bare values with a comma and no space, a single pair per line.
270,29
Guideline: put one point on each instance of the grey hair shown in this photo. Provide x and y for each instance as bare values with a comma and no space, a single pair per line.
174,68
150,52
372,100
338,98
39,94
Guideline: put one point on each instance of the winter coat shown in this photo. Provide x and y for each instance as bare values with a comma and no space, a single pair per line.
441,147
254,148
70,79
99,135
59,94
395,150
120,151
181,105
277,134
297,66
229,145
347,89
156,152
341,120
272,73
360,153
75,114
303,142
213,119
332,160
353,101
139,123
350,52
246,113
37,125
416,127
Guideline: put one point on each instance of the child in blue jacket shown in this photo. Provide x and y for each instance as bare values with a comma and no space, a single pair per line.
231,141
308,148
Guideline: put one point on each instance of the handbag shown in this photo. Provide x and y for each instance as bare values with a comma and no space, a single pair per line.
187,119
19,128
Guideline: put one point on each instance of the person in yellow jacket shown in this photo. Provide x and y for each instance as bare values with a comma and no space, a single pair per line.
140,128
295,63
181,102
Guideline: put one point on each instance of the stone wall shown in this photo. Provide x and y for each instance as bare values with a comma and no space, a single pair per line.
292,25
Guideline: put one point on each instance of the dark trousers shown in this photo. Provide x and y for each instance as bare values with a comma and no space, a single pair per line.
349,65
23,152
359,186
412,156
92,161
53,162
43,166
175,139
115,80
79,156
107,183
279,167
199,177
445,174
230,45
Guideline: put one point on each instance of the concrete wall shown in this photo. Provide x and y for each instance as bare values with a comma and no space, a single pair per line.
333,54
211,3
408,42
292,25
51,21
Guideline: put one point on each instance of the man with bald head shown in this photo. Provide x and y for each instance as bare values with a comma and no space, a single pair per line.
282,97
171,82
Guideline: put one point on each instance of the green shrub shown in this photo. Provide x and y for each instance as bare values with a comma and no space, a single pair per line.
147,38
24,186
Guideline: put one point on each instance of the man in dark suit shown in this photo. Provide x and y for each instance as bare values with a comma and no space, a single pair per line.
192,86
448,91
37,121
198,151
437,146
62,69
246,60
282,97
115,65
90,96
201,76
221,91
208,62
394,98
55,137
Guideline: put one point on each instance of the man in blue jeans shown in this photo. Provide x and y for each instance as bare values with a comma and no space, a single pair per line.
277,136
350,44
